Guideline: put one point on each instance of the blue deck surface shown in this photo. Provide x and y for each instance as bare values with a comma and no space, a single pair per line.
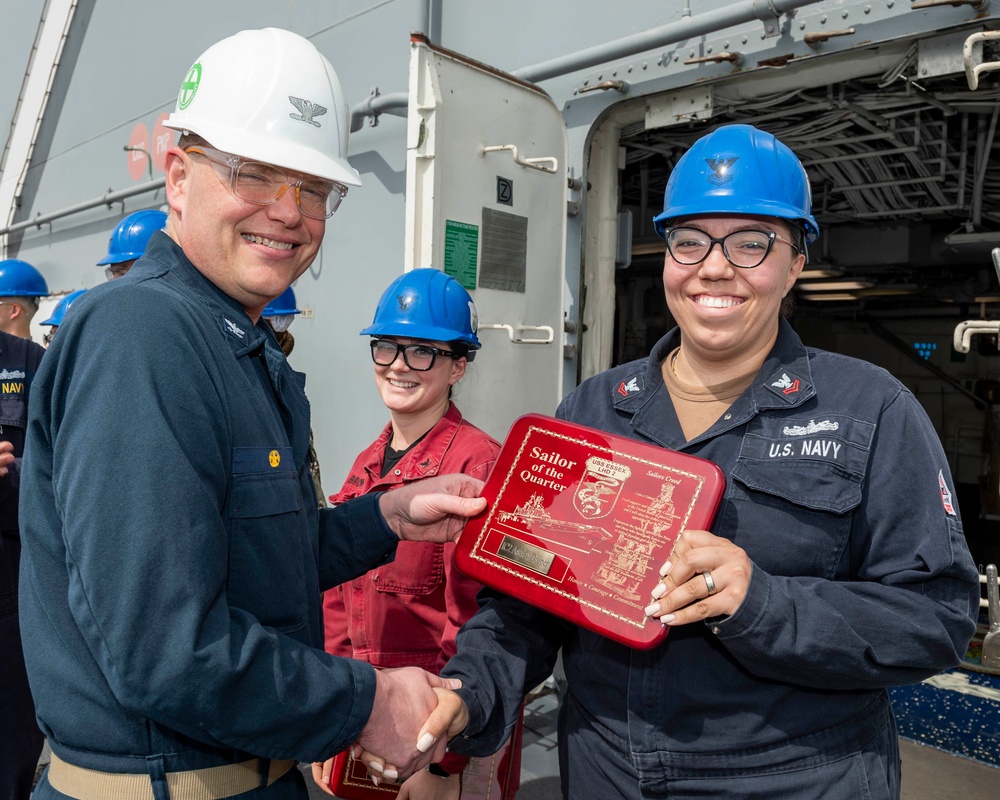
957,711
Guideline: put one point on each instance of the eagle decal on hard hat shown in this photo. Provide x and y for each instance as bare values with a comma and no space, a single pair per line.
307,110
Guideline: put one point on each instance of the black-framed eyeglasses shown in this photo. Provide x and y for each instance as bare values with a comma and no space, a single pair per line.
743,249
418,357
47,337
264,184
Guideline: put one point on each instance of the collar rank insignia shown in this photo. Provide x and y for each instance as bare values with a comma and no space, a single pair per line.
721,169
233,329
631,386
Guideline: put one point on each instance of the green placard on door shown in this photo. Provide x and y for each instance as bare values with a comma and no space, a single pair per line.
461,248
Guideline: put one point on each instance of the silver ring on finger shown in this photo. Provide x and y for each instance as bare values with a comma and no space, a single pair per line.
709,582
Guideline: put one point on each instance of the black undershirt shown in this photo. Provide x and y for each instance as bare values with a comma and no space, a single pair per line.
393,457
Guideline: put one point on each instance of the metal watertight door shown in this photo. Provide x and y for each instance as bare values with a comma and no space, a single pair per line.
486,202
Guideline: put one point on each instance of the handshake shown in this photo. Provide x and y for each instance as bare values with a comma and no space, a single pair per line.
414,715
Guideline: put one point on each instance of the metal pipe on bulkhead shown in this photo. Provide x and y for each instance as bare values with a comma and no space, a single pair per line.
108,199
709,22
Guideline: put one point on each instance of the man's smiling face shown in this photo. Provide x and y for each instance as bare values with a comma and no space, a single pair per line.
251,252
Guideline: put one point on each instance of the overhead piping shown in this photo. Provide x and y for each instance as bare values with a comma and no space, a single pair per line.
709,22
107,199
688,26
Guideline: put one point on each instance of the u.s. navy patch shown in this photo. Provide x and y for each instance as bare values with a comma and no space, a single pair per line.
833,438
12,381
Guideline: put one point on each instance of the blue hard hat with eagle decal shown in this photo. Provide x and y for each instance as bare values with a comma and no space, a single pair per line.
739,169
426,304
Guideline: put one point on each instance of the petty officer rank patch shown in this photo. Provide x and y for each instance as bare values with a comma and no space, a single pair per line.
829,438
788,386
629,386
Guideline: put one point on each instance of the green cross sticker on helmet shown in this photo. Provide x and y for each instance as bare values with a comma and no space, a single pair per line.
189,87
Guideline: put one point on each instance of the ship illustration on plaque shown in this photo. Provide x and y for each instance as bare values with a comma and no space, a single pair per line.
536,519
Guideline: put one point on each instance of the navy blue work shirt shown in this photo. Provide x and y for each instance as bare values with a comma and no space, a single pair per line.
19,359
174,555
839,491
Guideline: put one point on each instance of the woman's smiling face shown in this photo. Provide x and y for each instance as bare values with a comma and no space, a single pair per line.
727,313
409,391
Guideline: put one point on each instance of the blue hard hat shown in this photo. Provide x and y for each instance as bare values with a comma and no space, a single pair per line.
282,305
131,235
739,169
62,307
20,279
426,304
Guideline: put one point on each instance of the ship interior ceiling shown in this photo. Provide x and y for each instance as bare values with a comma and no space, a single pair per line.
905,182
906,189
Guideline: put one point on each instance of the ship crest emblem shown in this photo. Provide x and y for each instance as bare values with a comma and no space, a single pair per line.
600,487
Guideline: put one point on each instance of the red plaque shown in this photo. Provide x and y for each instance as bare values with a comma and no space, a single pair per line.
349,780
580,520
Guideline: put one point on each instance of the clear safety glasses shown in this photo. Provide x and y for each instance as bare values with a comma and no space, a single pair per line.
264,184
744,249
119,270
418,357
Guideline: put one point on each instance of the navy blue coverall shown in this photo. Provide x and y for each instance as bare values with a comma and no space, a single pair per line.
174,554
839,491
22,741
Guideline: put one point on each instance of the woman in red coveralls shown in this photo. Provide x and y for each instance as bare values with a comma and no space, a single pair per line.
407,612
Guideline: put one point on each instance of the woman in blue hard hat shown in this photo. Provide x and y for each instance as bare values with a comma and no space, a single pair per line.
836,564
58,313
407,612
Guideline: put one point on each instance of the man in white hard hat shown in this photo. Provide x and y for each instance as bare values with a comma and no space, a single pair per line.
174,553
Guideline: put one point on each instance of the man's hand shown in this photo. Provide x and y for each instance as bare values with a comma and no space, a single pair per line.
397,732
6,458
421,785
432,509
448,719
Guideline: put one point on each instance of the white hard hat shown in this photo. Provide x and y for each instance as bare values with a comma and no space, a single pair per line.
271,96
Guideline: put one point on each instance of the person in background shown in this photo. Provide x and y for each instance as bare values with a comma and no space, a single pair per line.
836,565
21,739
279,314
21,285
58,313
129,239
423,335
173,552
